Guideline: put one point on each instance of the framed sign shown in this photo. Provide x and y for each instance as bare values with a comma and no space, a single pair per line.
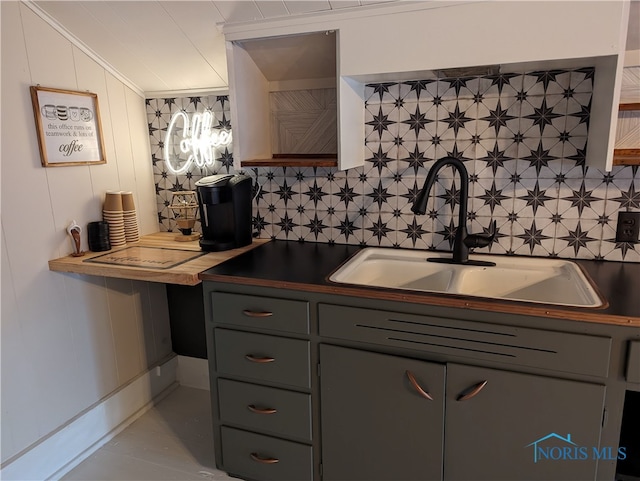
69,129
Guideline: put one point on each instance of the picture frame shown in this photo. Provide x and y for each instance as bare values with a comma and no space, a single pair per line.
68,127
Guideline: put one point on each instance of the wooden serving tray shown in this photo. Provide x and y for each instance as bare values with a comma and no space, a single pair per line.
150,257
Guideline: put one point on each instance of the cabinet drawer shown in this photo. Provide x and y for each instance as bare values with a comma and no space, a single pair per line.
255,456
261,312
633,362
275,411
262,357
557,351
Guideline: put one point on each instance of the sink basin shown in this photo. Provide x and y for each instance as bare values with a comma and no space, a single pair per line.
547,281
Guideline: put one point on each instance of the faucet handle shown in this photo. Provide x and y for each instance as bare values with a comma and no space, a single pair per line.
482,240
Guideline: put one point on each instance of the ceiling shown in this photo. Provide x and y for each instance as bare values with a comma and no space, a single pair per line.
162,46
166,46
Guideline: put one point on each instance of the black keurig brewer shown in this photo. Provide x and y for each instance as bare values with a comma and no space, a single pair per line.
225,211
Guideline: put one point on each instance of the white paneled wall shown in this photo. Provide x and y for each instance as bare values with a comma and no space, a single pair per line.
67,340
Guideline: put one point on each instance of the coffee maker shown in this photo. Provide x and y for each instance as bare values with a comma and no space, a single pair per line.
225,211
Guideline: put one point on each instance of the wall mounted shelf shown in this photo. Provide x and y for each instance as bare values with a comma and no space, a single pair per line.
286,160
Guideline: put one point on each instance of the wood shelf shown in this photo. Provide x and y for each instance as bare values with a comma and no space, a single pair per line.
185,273
629,106
626,156
294,160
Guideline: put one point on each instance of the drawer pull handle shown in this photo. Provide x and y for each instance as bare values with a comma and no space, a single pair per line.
259,459
256,410
249,313
261,360
471,392
417,387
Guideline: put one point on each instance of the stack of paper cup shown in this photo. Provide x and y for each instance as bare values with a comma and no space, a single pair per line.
112,212
130,218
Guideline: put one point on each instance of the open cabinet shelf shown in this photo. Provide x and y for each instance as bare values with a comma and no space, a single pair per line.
284,100
628,124
293,160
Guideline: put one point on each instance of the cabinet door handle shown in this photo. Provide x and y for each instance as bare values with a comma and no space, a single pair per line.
416,386
249,313
471,392
259,459
261,360
257,410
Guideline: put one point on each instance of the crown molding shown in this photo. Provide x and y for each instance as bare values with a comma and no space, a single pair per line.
163,94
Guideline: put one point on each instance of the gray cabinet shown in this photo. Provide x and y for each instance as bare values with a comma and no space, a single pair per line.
491,432
259,408
375,427
376,423
262,357
477,341
260,383
306,389
254,456
633,362
280,315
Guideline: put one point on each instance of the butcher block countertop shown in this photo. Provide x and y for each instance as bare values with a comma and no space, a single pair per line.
155,258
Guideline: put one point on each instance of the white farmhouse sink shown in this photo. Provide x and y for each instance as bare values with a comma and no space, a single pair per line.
547,281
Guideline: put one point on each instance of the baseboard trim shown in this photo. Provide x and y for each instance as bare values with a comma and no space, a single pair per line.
193,372
59,453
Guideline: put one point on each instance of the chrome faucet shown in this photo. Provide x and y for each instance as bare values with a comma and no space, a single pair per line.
462,241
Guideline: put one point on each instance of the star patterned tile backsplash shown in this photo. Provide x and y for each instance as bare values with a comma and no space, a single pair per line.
522,138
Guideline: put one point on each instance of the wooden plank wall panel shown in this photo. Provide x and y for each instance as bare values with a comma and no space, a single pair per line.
628,130
91,76
144,187
630,91
92,334
30,230
304,121
159,315
121,132
19,381
125,327
65,337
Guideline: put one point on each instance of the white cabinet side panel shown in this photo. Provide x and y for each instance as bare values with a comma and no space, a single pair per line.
248,95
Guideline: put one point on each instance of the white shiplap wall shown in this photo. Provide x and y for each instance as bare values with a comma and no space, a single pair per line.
67,340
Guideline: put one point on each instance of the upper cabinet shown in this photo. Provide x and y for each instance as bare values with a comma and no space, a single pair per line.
283,99
275,74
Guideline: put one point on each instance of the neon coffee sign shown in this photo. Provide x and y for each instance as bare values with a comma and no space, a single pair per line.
197,142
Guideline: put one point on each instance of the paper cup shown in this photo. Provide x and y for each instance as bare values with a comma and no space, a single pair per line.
112,201
127,201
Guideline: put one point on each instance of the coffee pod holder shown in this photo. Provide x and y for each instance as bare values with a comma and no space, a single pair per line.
184,206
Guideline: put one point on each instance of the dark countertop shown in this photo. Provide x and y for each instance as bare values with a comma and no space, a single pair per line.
307,266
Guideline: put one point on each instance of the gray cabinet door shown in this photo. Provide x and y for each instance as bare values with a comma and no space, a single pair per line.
375,423
520,426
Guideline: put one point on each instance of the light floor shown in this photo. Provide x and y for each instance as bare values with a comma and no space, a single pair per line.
172,441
